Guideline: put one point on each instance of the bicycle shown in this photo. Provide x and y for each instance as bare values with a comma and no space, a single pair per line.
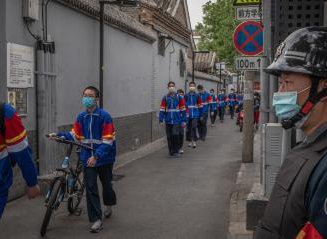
68,183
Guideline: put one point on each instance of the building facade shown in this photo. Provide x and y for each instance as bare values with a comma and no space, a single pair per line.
45,65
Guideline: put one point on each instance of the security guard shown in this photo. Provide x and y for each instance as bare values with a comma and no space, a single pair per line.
298,204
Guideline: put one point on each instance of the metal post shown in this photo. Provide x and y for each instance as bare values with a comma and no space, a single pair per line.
273,88
193,56
101,52
247,151
220,75
238,84
264,100
273,83
267,86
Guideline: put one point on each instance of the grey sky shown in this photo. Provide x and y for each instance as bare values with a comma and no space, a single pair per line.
195,8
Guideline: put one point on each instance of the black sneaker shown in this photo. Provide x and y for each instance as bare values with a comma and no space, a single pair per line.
175,155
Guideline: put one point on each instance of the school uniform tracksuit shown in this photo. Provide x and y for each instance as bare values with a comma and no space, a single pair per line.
213,108
194,107
221,106
232,104
173,113
14,148
206,103
97,130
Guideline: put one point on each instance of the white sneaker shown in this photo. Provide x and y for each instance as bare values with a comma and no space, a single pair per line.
107,211
180,151
190,145
97,226
194,145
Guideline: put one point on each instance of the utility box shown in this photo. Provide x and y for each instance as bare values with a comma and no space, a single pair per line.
273,155
31,10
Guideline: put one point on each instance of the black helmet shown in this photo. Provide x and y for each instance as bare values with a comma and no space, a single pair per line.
304,51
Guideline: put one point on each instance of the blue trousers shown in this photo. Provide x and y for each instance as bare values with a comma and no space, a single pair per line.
92,193
3,202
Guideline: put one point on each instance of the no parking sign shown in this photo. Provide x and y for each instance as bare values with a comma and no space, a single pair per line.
248,38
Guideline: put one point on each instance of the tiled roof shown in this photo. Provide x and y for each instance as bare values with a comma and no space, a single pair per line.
113,16
204,76
204,61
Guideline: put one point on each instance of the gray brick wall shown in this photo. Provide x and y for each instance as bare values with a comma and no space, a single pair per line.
157,131
136,131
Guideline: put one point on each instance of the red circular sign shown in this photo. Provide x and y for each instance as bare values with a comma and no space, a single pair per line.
248,38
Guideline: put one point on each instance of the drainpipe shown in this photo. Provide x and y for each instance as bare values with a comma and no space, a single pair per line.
101,52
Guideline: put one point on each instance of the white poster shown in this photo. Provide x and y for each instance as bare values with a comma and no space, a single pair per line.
20,66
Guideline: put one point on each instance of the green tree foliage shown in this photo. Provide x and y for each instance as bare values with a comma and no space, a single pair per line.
217,29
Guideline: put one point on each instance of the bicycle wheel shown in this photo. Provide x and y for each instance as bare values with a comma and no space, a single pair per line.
76,195
51,205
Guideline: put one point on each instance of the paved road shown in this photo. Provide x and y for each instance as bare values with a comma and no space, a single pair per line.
159,198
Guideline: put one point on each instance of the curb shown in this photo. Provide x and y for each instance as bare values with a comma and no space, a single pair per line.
247,176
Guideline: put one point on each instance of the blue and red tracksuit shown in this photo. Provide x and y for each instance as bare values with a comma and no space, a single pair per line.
173,113
172,110
221,101
206,102
194,107
239,99
97,130
214,102
14,146
232,99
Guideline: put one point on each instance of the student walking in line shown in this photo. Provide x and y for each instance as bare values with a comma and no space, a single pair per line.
194,106
181,135
173,114
213,107
232,103
206,105
221,105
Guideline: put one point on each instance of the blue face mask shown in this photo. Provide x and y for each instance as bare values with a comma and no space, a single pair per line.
286,105
88,102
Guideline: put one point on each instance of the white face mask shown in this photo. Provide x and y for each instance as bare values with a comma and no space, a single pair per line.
192,88
172,89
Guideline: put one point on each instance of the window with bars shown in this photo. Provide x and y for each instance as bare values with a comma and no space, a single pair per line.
161,46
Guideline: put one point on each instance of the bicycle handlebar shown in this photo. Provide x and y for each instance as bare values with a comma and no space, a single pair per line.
70,142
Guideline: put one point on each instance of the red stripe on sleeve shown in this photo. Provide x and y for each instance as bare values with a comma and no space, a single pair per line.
163,104
14,128
78,130
108,131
